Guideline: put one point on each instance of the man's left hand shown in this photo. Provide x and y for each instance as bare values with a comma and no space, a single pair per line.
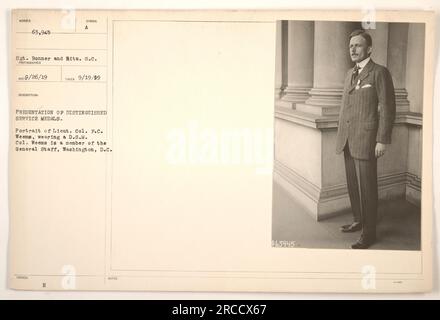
380,149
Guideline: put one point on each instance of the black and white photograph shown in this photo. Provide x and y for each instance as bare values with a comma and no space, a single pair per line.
348,135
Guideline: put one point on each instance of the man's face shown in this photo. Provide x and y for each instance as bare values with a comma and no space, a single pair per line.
359,49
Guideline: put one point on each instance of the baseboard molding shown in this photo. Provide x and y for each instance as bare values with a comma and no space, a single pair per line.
324,202
330,121
413,190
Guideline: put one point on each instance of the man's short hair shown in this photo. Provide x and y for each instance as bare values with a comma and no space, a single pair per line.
364,35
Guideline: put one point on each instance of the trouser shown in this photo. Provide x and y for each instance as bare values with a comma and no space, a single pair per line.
362,189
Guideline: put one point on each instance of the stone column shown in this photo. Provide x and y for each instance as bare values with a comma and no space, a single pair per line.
299,62
279,61
379,35
331,63
414,84
397,51
415,66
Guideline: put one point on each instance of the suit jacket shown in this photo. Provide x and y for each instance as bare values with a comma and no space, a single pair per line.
367,112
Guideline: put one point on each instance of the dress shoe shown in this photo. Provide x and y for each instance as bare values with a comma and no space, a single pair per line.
363,243
355,226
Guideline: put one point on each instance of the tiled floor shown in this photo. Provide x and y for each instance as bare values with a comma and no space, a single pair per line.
398,225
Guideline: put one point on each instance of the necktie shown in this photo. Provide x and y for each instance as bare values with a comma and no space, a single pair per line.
355,73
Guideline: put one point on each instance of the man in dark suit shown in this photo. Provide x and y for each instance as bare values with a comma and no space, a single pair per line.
365,124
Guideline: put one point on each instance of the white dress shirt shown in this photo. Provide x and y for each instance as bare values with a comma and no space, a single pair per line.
362,64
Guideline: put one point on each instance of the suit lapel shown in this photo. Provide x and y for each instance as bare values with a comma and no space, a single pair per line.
364,73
